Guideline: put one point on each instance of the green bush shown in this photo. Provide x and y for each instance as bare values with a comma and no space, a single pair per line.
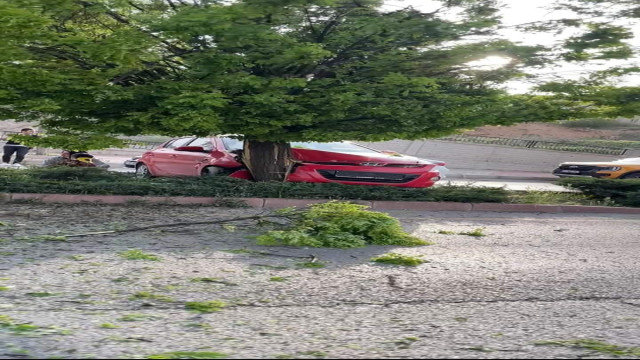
92,181
65,173
621,192
340,225
99,182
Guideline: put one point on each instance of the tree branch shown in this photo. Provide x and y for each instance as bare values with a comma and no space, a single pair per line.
327,29
341,55
313,29
135,6
172,5
560,21
123,20
332,24
142,228
63,55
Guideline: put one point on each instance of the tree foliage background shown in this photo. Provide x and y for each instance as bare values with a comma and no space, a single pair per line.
282,70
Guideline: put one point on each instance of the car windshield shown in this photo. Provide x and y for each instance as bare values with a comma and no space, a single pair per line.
231,143
337,146
344,147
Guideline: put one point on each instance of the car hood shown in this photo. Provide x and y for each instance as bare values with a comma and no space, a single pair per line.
319,156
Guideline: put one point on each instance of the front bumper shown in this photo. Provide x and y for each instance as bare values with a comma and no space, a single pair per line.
366,175
131,163
584,171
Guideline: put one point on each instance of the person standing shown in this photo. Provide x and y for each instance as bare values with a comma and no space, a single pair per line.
20,150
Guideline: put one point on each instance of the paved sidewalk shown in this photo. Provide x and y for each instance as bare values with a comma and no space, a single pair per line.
475,174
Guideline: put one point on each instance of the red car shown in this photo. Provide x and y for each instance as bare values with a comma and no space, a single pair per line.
340,162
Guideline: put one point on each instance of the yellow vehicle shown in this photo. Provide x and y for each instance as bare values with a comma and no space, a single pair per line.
628,168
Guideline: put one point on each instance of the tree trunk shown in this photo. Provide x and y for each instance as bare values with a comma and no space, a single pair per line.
267,161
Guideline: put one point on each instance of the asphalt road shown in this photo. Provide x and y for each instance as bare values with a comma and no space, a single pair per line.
533,279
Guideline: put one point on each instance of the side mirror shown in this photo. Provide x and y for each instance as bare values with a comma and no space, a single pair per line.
191,149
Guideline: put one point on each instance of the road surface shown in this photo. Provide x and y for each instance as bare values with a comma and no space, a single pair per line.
534,280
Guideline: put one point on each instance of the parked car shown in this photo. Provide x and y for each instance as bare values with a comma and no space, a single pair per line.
131,163
628,168
340,162
440,165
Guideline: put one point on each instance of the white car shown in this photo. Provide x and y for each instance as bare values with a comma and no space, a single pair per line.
131,163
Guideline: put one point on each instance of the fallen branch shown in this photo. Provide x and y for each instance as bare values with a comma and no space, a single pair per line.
142,228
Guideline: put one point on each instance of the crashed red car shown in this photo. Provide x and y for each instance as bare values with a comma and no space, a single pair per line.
339,162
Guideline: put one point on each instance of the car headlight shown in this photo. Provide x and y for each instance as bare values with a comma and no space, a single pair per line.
609,168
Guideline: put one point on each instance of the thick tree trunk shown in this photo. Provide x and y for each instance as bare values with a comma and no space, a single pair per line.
267,161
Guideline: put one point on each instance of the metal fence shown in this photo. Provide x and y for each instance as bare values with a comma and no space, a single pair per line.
537,144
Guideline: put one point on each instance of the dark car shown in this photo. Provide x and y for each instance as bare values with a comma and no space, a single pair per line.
628,168
342,162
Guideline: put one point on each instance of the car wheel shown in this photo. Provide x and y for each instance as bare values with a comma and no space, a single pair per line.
212,171
142,171
633,175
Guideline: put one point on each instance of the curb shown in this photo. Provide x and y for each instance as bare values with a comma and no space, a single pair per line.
498,176
274,203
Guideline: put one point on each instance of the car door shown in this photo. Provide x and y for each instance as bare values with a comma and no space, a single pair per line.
165,160
190,163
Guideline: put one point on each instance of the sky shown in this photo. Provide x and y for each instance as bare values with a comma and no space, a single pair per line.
524,11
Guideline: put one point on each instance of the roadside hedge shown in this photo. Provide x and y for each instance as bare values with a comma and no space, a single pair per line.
65,180
92,181
622,192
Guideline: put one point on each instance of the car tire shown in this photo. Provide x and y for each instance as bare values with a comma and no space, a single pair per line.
212,171
142,171
633,175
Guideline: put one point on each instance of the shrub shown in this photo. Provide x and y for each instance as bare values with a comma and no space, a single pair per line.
67,180
340,225
100,182
65,173
621,192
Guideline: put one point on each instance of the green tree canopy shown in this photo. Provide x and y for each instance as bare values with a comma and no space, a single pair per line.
283,70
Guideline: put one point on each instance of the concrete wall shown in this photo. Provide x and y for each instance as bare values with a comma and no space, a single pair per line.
490,157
